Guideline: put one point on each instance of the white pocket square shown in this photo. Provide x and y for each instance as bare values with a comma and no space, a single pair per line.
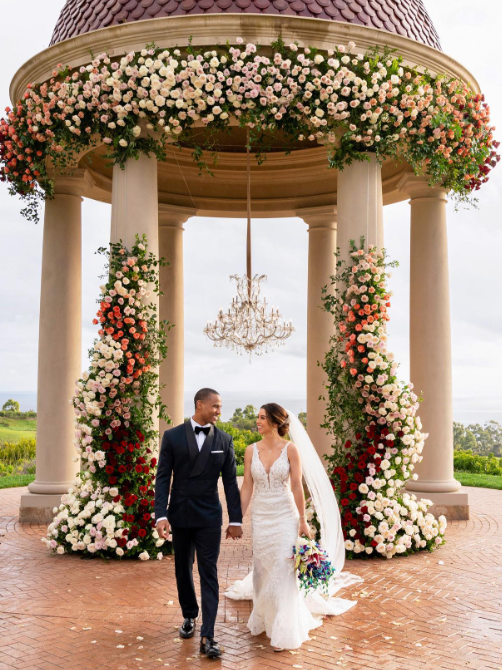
217,452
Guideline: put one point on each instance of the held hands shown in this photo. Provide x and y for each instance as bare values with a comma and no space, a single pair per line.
163,529
235,532
304,529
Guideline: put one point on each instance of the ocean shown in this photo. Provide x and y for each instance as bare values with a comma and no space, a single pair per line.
465,410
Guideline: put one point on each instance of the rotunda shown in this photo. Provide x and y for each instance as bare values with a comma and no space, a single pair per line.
158,198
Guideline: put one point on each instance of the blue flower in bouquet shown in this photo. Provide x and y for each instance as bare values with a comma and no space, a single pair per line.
312,564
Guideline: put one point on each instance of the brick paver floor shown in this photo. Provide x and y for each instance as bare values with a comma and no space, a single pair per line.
427,611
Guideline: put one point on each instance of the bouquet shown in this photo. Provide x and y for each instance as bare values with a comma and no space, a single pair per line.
312,564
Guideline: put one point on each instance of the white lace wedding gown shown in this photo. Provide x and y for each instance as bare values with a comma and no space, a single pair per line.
280,609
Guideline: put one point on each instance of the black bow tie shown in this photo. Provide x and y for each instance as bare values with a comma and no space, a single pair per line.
200,429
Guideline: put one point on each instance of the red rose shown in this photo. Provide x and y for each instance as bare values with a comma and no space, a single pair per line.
138,468
109,470
344,501
142,532
122,468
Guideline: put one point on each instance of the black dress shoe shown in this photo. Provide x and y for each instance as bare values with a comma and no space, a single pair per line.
187,628
210,647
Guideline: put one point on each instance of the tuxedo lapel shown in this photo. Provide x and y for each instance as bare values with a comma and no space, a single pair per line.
193,449
203,455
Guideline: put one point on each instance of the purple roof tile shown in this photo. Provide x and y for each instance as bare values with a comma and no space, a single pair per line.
409,18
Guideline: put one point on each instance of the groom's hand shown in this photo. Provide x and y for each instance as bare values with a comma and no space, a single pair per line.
163,529
235,532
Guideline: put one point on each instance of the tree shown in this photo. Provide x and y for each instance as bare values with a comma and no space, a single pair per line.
303,418
463,438
11,406
488,437
245,418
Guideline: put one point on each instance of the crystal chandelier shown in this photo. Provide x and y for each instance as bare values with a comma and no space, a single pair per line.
248,325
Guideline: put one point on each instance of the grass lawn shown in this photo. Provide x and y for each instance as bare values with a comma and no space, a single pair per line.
13,430
465,478
481,481
13,481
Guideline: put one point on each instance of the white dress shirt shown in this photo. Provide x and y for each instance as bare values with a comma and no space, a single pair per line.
200,439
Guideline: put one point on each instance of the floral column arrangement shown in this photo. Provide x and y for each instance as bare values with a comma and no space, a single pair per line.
109,510
373,416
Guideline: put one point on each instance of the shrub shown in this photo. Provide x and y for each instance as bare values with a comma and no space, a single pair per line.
469,462
11,453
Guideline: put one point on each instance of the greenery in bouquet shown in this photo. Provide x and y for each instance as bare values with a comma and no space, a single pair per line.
312,564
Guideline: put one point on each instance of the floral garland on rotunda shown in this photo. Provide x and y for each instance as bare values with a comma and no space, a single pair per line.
378,436
354,102
109,510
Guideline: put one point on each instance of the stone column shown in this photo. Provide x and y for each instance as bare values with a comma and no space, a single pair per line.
171,220
135,208
430,346
321,223
59,352
360,205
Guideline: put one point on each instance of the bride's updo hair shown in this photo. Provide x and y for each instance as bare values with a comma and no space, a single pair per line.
277,417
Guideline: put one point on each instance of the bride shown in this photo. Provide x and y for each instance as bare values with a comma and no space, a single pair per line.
273,471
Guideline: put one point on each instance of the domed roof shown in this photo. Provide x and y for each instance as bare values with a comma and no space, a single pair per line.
404,17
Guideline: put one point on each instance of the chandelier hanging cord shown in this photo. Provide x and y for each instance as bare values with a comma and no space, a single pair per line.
248,325
248,203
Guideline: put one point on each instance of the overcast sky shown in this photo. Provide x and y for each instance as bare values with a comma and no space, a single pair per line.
469,34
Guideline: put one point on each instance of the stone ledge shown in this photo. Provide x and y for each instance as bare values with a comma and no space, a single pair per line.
37,508
454,506
451,512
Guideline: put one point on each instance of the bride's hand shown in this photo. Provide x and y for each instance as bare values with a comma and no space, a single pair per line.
304,529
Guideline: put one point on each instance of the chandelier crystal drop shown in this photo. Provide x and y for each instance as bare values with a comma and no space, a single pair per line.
249,326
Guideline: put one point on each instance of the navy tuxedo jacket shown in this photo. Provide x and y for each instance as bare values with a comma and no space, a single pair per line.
194,500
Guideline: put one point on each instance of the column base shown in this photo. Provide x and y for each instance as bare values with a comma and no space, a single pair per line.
37,508
454,506
50,488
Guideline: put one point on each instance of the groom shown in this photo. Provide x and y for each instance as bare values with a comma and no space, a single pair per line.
195,453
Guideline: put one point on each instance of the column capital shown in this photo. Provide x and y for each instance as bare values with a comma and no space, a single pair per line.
417,187
171,216
76,182
319,217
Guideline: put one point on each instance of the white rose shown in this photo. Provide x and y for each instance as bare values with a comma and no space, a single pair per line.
144,556
123,143
60,550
